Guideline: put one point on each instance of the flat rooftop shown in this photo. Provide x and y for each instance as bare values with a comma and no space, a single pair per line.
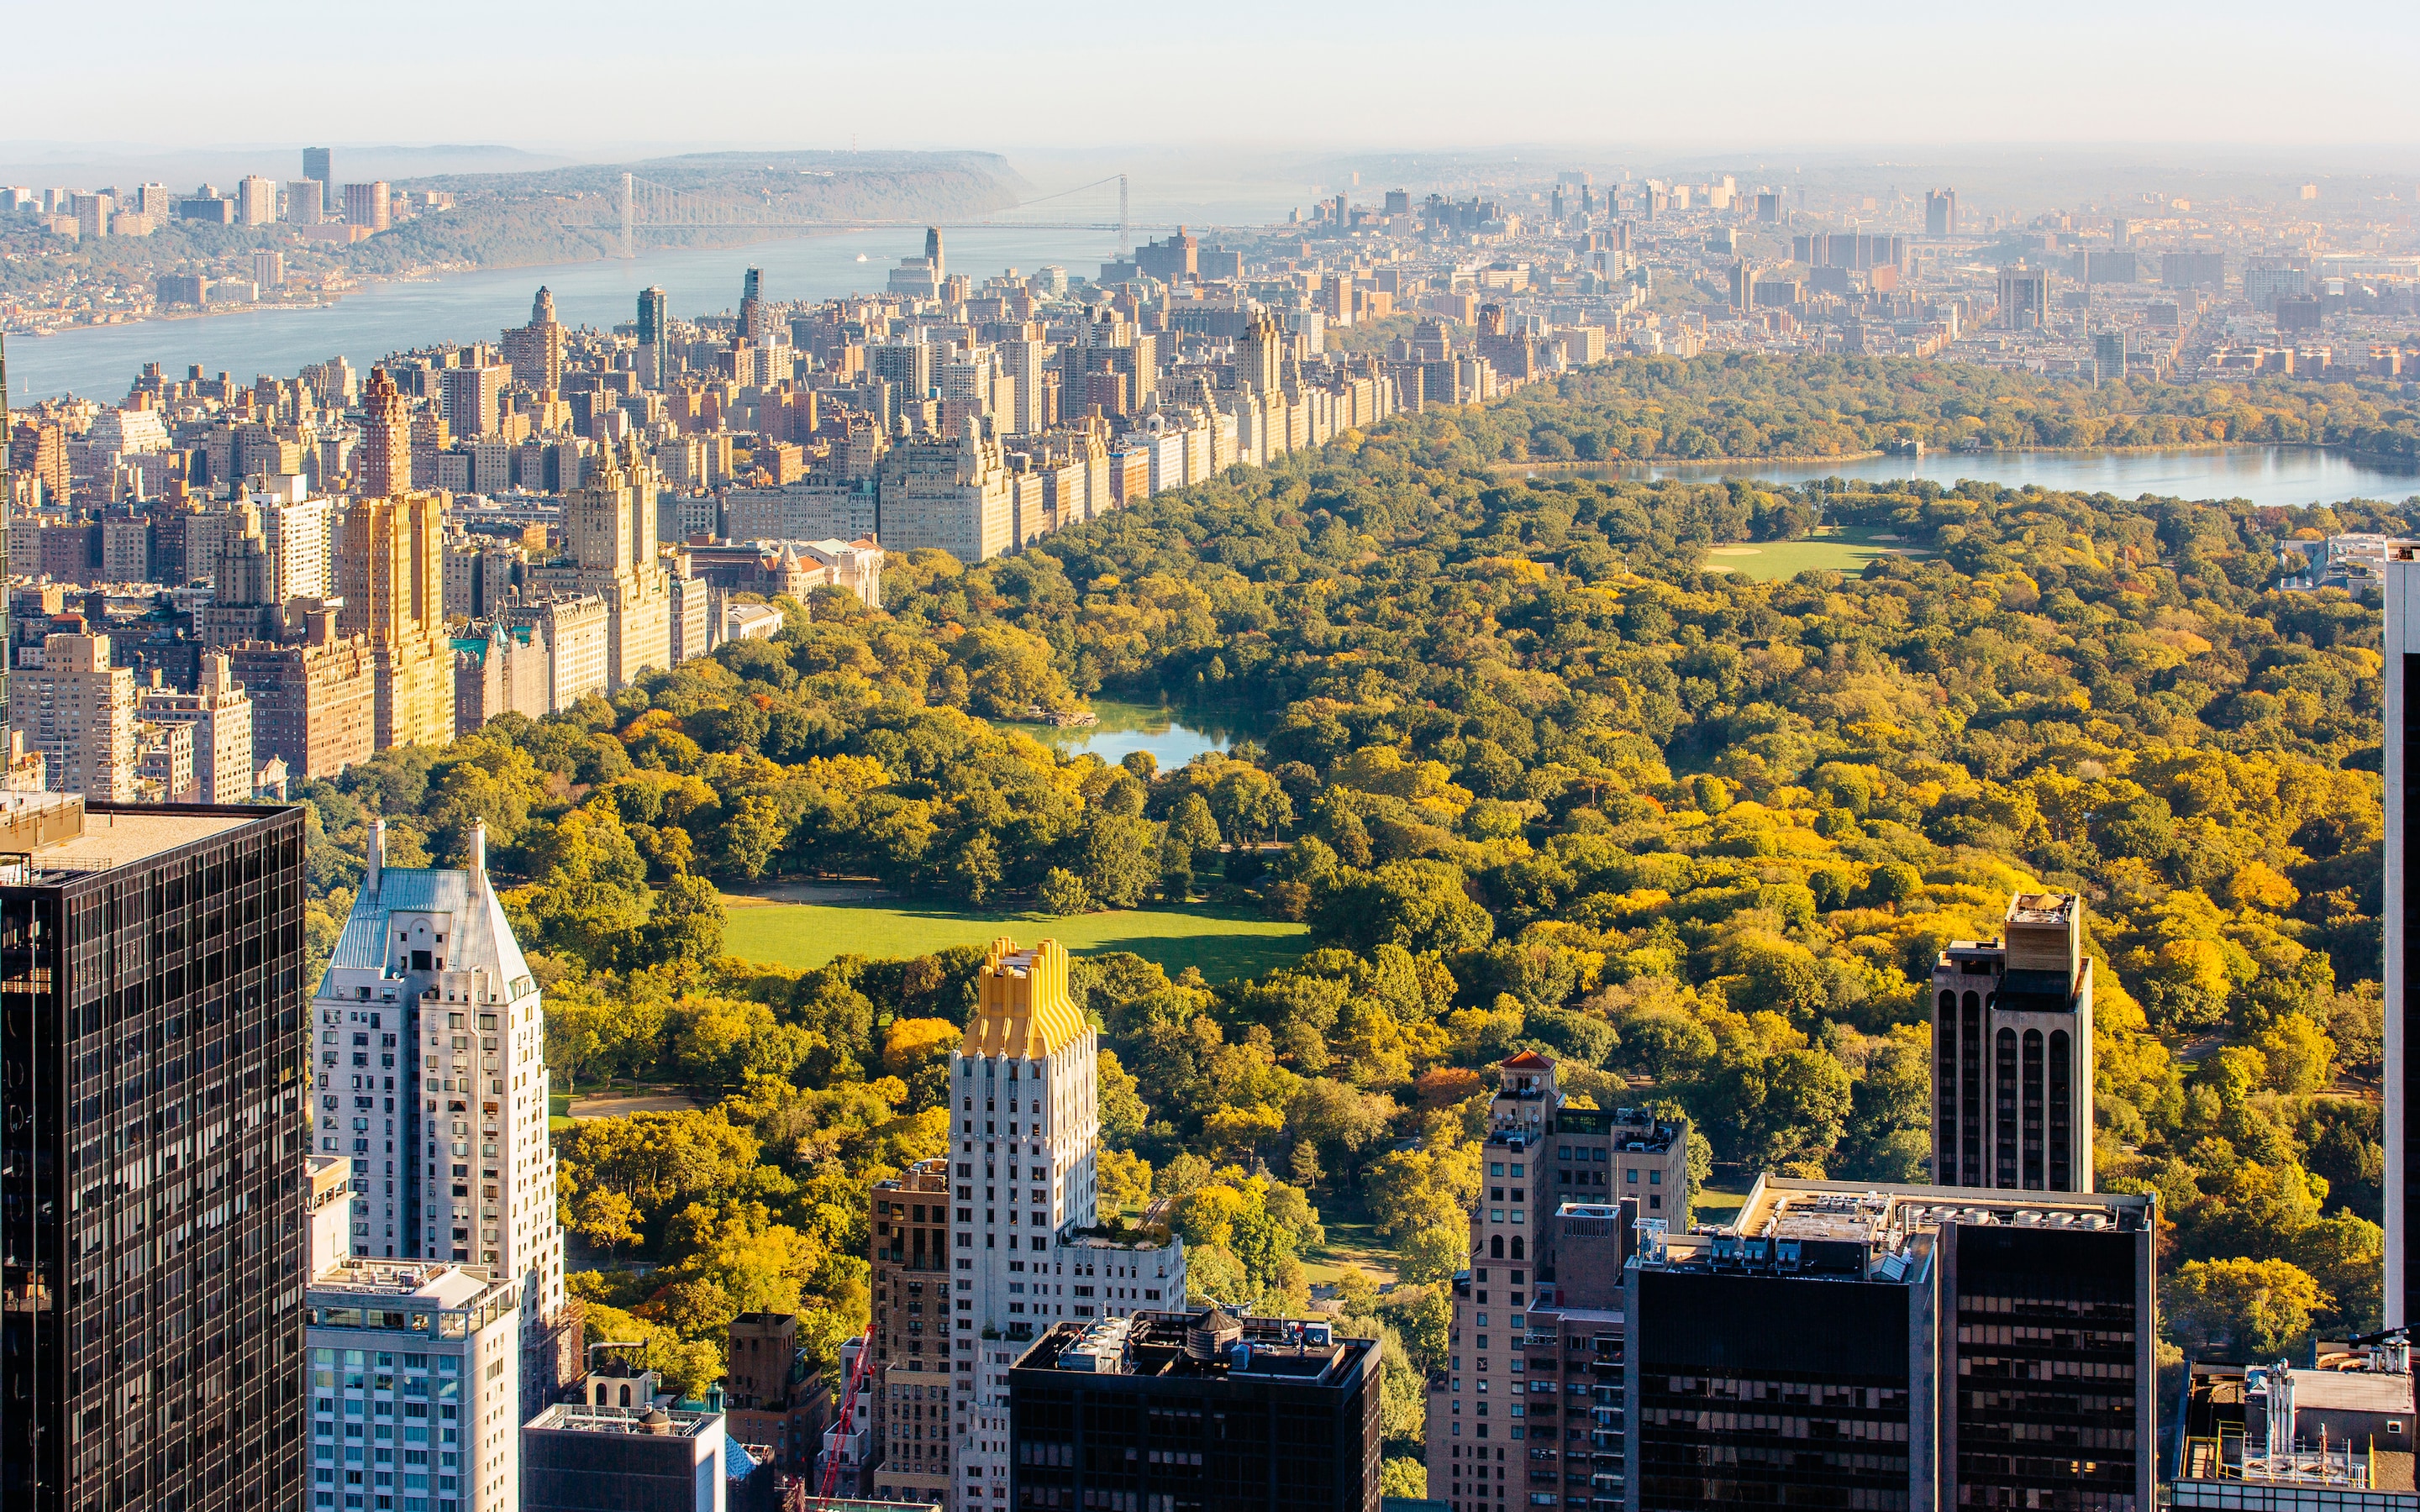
436,1284
630,1422
1781,1207
61,832
1210,1346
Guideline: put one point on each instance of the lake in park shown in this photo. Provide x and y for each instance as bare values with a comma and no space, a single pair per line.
1172,736
2279,475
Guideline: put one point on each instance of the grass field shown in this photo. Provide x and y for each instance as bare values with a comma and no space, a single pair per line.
1224,943
1841,547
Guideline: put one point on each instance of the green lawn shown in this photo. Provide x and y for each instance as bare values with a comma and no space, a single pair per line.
1224,943
1841,547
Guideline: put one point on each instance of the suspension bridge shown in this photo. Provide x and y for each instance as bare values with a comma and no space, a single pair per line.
651,206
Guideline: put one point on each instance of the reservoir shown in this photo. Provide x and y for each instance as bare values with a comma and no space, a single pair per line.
2268,475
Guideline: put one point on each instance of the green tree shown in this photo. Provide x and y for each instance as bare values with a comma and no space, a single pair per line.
2241,1309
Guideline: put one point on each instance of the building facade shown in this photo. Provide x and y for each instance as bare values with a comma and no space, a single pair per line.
406,1400
430,1081
1896,1348
1024,1249
577,1457
2400,576
391,573
78,712
313,698
153,1046
2012,1053
219,712
1173,1409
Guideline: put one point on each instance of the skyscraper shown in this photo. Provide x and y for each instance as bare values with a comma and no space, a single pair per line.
314,165
2025,297
534,351
1848,1345
753,325
655,334
150,1216
7,451
1023,1255
2012,1053
1260,355
386,437
933,253
430,1081
366,204
391,574
1941,212
610,524
2402,1074
78,711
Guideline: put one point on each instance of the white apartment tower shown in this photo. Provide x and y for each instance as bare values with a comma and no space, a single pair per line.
1025,1252
431,1082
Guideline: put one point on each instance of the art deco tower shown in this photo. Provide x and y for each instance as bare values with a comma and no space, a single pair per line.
386,439
2012,1053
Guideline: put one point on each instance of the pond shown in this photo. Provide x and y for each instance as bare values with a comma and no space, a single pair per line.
1172,736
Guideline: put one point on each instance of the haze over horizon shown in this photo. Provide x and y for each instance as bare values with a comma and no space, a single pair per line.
1270,76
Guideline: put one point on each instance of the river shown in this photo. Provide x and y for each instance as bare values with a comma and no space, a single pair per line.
102,361
2278,476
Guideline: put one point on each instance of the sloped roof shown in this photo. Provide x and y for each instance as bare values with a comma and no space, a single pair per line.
485,939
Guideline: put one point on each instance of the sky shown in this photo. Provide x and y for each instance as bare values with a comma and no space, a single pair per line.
607,78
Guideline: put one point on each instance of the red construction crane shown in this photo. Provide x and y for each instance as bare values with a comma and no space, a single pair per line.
847,1415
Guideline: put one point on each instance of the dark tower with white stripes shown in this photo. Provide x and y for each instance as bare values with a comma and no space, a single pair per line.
2012,1053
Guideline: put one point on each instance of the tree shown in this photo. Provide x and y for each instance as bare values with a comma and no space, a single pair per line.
1120,858
2240,1310
1125,1179
1124,1113
1063,893
1192,826
1403,1476
1419,906
2302,1058
606,1219
1434,1254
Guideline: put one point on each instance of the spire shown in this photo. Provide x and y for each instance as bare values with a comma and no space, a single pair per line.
377,856
478,857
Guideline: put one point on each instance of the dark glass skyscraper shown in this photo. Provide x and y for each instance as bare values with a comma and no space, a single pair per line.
4,495
151,1236
655,327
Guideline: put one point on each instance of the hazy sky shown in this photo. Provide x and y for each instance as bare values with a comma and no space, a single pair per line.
609,74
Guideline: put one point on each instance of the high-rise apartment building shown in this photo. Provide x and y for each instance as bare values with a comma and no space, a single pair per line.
1260,353
151,1230
314,693
256,201
1197,1409
392,574
221,714
2025,297
1025,363
755,322
386,437
428,1030
414,1386
1548,1236
1025,1252
912,1341
78,712
366,205
610,522
534,351
473,397
1895,1348
1941,212
949,492
306,201
655,336
2012,1053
